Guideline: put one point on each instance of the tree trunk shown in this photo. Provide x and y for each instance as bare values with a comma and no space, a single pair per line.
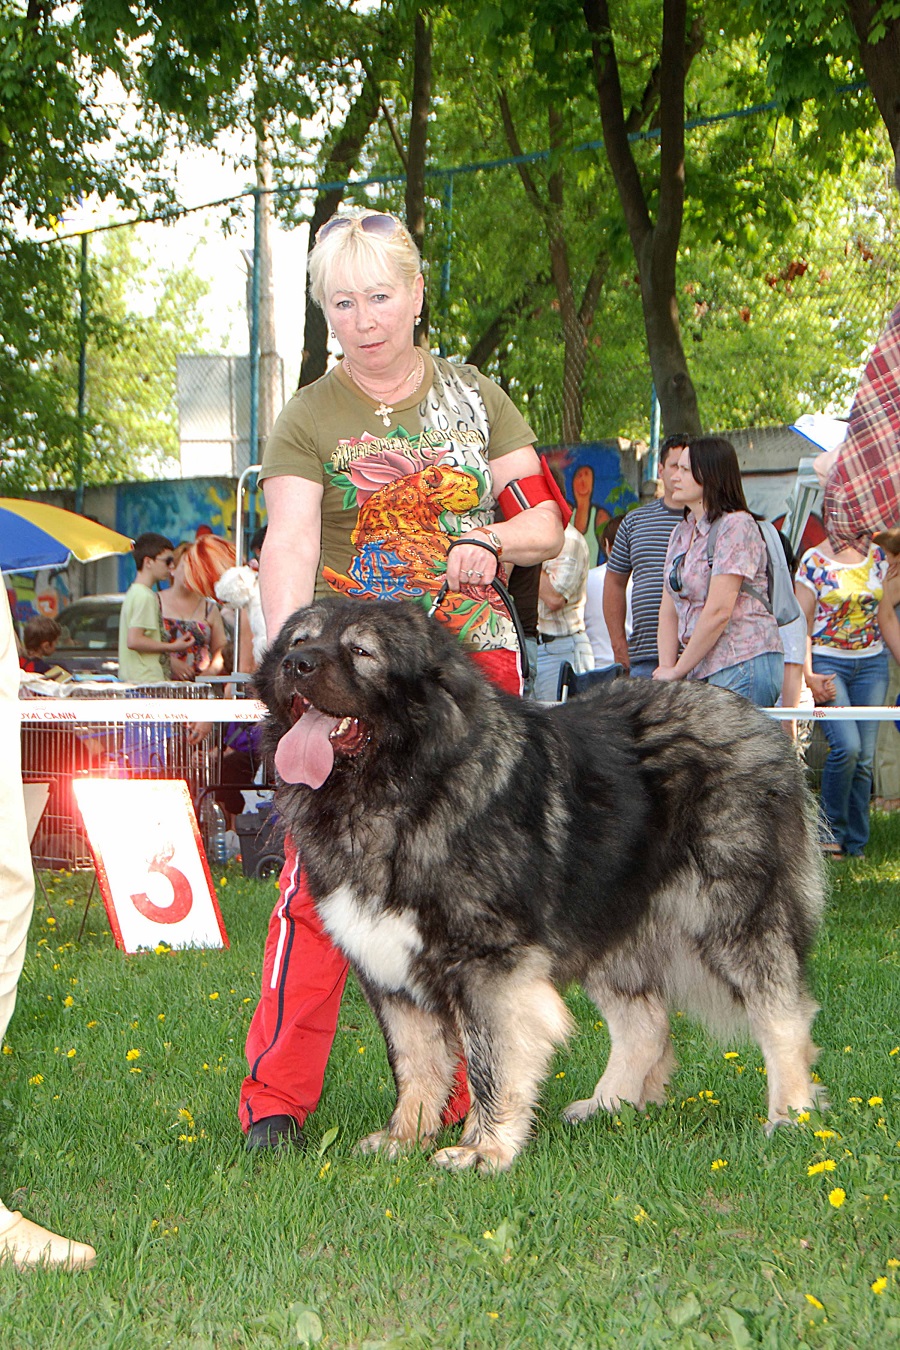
341,158
655,245
417,150
881,63
575,320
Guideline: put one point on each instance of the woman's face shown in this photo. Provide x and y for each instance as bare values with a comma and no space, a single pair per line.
375,326
686,491
582,482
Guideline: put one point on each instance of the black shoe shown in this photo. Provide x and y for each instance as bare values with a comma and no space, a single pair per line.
275,1132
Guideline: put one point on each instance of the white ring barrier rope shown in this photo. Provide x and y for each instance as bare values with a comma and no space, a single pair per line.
73,711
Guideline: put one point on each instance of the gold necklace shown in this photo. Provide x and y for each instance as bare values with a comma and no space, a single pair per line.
385,408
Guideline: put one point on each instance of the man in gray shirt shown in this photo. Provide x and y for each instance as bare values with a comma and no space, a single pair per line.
640,551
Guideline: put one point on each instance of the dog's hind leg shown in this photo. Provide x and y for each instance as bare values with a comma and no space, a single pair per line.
423,1051
783,1035
641,1058
510,1029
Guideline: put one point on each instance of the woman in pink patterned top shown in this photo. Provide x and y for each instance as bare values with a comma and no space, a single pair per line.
712,626
841,592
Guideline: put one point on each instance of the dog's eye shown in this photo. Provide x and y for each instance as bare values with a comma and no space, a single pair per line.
360,651
295,642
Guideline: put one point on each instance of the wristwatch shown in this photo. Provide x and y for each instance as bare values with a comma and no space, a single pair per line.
493,539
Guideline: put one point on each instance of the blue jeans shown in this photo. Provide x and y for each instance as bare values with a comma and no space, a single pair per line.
643,670
758,679
847,775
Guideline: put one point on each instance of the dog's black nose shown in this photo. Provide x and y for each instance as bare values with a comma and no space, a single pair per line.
297,663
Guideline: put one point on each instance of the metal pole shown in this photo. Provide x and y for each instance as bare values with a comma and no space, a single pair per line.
445,265
254,329
655,425
239,547
82,377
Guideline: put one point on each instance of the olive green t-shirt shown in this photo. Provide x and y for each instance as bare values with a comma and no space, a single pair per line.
329,433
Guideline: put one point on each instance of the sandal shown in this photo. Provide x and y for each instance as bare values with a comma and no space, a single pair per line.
832,850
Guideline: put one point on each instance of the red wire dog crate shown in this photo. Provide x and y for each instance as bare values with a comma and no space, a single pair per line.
55,753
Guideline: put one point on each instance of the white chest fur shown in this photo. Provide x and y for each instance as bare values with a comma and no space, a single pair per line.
381,944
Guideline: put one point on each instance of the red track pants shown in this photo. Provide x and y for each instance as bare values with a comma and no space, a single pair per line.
293,1028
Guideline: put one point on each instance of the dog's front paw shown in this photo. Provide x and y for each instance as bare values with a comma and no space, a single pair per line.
383,1142
576,1112
487,1159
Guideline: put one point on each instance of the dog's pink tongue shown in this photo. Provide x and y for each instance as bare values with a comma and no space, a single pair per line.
305,754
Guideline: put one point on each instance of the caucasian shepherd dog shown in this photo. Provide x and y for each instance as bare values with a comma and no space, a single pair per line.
473,854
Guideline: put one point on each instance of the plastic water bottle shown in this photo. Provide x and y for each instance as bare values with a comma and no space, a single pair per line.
215,828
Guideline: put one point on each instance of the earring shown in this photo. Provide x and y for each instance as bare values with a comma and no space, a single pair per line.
418,319
331,334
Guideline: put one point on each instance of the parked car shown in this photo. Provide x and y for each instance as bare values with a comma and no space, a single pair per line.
89,644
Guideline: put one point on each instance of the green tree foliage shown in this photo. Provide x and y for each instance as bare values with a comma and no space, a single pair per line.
135,332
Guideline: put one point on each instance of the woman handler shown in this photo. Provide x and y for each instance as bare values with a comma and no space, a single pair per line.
381,480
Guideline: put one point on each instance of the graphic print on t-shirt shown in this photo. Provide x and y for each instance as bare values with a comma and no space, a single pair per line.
414,494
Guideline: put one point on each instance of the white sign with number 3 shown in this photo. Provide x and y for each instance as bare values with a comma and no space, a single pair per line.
151,868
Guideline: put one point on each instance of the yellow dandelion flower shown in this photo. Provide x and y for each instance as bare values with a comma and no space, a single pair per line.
802,1117
837,1197
361,1050
598,1026
214,996
51,922
640,1214
893,1263
134,1024
134,1070
731,1054
828,1165
895,1051
36,1080
132,1054
824,1134
326,1167
92,1024
811,1298
856,1100
160,1017
7,1049
848,1049
68,1001
488,1235
185,1113
223,881
70,1054
160,949
388,1214
494,1315
718,1163
876,1101
878,1286
561,1075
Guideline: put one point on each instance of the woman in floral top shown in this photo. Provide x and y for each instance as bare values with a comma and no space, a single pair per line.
841,591
713,622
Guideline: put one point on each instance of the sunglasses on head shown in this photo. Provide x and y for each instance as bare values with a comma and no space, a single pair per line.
380,223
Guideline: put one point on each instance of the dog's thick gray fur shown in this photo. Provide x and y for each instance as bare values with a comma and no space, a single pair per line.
473,854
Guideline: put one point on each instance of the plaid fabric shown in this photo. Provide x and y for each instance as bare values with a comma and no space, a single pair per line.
862,493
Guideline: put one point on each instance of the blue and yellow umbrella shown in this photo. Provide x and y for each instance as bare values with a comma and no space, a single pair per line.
35,535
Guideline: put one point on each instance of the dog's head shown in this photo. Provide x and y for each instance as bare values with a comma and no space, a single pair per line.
347,680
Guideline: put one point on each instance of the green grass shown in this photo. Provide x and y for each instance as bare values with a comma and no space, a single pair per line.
618,1233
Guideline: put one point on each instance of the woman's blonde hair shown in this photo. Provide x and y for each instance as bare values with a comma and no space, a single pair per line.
349,258
204,562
